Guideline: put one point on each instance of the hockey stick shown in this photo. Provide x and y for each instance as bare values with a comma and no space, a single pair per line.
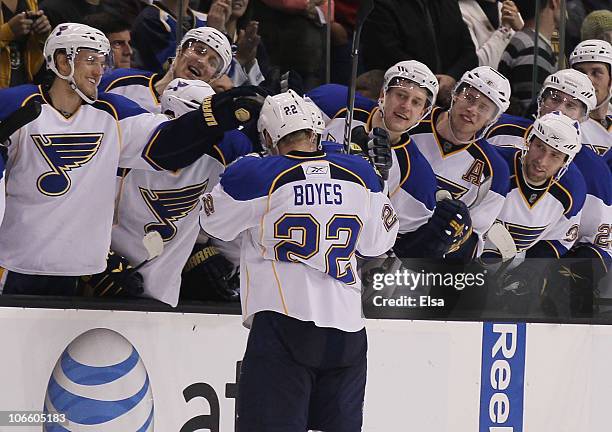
154,245
481,193
502,240
362,14
21,117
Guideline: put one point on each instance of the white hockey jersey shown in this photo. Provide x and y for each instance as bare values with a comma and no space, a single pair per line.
462,169
303,215
412,183
168,202
548,214
596,136
2,193
596,219
60,180
135,84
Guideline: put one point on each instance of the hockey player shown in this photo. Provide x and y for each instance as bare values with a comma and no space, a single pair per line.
167,201
594,58
2,193
571,93
543,208
408,94
204,54
465,164
62,165
303,214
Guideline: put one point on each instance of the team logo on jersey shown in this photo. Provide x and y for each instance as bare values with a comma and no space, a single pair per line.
317,169
169,206
524,236
457,191
64,153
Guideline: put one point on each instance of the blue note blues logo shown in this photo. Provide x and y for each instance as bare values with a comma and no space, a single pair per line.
169,206
456,190
64,153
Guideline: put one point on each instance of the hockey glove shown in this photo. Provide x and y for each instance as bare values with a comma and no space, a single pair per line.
451,223
207,276
376,147
118,280
519,287
234,107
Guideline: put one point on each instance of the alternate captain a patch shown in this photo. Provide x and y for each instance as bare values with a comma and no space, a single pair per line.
64,153
171,205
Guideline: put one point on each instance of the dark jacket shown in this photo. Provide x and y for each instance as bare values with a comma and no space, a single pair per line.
398,30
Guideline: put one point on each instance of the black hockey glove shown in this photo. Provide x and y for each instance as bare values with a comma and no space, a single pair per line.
519,288
118,280
376,147
208,275
234,107
451,223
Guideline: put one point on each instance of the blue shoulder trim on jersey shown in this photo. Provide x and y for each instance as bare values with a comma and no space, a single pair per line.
573,185
233,145
596,174
510,125
12,98
332,147
331,99
417,176
359,167
124,77
120,105
608,158
499,167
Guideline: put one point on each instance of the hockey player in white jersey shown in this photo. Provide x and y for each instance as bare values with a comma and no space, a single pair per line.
204,54
464,163
303,214
167,202
572,93
594,58
2,193
61,167
543,208
408,94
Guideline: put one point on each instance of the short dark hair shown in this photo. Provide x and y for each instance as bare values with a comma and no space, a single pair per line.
106,23
527,8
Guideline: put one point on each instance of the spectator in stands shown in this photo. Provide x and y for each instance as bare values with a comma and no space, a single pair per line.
369,83
294,34
154,32
23,30
491,24
430,31
61,11
597,25
517,60
118,33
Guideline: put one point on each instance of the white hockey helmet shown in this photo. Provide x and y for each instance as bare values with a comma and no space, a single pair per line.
490,83
416,72
183,95
592,50
559,132
318,124
70,38
574,83
282,115
214,39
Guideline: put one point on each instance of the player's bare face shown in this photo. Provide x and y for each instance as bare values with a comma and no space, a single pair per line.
471,111
542,162
89,66
404,106
600,77
197,61
555,100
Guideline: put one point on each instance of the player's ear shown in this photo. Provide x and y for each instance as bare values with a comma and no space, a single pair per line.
62,63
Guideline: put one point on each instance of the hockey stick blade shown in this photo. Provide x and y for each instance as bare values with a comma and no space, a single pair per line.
21,117
362,14
482,192
503,241
443,194
154,245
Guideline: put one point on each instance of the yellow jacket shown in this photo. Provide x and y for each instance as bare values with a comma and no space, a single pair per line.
33,55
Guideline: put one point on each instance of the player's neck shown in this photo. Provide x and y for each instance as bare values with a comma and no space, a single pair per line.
600,113
443,128
377,121
296,146
64,98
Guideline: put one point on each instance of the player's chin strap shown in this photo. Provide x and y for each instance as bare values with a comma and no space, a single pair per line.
606,100
73,85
